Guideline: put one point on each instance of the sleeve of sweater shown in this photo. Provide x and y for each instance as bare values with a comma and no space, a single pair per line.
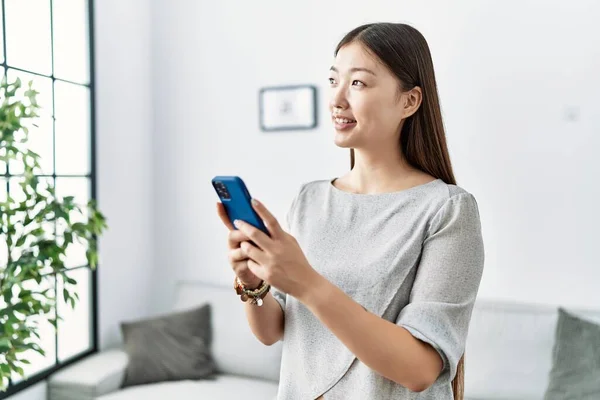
447,280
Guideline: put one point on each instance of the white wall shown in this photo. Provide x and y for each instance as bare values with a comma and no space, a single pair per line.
124,162
528,149
511,75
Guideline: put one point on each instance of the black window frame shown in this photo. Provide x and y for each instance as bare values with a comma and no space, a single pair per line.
58,365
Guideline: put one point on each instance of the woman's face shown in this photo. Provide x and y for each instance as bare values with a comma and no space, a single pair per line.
365,107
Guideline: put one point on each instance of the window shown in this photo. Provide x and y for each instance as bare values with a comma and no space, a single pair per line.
51,43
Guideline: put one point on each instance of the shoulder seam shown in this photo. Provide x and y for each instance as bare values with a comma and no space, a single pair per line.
445,204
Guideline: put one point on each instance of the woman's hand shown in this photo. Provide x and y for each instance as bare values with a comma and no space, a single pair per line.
237,259
278,259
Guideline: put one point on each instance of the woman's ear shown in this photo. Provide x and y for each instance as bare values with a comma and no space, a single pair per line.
412,101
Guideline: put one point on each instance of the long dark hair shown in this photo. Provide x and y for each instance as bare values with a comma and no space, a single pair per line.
404,50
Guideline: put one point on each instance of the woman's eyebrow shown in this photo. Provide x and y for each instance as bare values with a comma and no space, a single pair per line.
334,69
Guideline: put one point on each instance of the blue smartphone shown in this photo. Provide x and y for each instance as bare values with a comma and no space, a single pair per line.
234,195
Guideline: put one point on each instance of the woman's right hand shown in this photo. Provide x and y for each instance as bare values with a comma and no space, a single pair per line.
237,259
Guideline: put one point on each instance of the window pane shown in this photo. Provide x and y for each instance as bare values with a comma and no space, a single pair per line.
75,255
71,51
3,189
3,252
78,187
2,163
72,129
75,331
1,38
39,141
28,44
45,330
2,150
15,189
40,129
16,192
41,84
3,245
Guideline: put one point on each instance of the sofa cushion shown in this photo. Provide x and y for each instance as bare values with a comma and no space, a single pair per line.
508,352
509,349
576,359
169,347
225,387
235,349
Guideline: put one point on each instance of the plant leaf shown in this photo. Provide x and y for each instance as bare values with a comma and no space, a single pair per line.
5,345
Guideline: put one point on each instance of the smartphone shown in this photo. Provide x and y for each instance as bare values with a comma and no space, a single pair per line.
234,195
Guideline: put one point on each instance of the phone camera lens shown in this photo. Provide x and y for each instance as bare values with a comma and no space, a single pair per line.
222,190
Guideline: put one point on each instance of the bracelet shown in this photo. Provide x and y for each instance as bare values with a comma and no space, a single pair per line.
256,295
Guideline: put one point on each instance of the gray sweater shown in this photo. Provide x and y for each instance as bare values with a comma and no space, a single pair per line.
413,257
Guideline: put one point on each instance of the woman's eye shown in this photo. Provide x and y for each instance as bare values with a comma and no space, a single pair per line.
354,82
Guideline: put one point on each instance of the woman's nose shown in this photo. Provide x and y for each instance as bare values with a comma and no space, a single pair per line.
338,98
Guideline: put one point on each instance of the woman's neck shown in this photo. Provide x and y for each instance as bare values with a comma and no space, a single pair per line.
381,173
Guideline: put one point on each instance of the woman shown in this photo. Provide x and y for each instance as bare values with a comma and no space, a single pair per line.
377,277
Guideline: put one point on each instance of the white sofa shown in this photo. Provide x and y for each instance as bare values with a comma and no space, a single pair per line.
508,356
509,349
245,364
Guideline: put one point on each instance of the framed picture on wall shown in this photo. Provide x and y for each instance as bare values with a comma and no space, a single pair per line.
288,107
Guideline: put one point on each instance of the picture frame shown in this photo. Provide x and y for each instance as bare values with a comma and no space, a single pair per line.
284,108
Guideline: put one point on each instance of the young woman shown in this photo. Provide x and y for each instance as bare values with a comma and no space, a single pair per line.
375,276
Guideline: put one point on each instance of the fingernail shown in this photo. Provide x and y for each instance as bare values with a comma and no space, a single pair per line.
237,223
255,202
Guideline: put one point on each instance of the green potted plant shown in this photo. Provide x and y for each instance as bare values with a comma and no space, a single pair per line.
35,253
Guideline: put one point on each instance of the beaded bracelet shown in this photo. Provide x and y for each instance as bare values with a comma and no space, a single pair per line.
256,295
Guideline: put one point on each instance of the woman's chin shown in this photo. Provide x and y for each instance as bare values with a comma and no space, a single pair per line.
342,143
342,140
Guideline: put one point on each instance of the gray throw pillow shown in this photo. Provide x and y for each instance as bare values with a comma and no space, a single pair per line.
169,348
575,370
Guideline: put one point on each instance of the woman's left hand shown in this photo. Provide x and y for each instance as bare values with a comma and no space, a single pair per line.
278,259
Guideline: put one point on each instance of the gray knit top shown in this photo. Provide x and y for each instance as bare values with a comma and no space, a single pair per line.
413,257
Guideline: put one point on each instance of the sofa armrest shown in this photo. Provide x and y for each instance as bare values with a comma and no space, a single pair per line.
89,378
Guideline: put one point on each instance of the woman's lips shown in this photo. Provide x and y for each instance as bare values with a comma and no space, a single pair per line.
343,123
